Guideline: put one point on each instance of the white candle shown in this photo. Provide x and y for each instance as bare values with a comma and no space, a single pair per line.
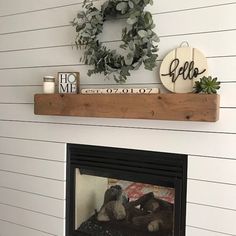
49,84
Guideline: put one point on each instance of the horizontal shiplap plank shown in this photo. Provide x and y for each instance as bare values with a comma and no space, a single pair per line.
11,7
34,76
33,220
35,149
25,94
36,167
40,57
212,194
45,19
19,94
168,5
39,38
21,6
221,18
31,184
42,19
192,231
62,16
227,92
41,204
157,140
24,112
215,219
65,36
220,67
207,43
10,229
212,169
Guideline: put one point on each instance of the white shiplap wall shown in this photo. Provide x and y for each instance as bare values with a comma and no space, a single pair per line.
35,39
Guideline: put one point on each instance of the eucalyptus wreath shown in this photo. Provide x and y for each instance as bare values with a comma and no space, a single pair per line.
138,38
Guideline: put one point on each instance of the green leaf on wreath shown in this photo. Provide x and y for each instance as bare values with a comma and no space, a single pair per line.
122,6
132,20
142,33
131,4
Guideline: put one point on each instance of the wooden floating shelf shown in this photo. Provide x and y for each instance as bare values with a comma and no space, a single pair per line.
180,107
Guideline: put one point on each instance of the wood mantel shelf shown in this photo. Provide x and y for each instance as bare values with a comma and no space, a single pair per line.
181,107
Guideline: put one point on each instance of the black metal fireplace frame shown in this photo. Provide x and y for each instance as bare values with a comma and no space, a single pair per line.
158,168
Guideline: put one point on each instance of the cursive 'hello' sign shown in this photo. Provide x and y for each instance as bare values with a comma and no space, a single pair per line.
181,68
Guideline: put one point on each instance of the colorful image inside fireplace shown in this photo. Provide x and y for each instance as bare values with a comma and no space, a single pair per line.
115,207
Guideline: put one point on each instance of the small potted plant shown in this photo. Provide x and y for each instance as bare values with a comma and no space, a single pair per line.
207,85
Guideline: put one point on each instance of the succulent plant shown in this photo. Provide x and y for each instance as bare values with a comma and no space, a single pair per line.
207,85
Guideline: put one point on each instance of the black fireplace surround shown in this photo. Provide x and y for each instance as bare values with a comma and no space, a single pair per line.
156,168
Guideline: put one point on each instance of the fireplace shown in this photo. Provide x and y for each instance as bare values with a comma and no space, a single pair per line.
123,192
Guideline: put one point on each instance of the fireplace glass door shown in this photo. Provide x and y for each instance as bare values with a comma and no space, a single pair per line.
121,192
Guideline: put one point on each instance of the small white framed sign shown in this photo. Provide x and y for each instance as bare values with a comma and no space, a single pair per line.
68,82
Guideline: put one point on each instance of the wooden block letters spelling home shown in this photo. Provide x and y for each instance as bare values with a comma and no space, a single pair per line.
68,82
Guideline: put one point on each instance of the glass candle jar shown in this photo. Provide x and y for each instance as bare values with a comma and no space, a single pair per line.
49,84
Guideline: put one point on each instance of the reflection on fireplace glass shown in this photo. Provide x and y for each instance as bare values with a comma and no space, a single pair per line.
113,207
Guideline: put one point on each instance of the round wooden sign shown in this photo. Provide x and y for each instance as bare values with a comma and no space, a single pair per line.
181,68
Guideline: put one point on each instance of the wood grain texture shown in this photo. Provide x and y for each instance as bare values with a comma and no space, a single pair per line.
25,112
182,107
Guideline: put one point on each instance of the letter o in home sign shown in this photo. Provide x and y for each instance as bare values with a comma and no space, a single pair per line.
181,68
